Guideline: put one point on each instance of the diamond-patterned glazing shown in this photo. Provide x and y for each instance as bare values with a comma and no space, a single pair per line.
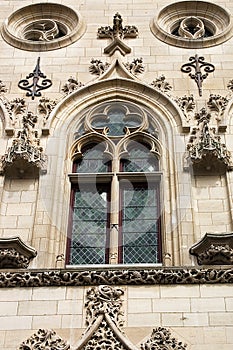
90,222
140,225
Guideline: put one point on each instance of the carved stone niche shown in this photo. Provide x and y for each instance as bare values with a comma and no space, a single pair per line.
214,249
14,253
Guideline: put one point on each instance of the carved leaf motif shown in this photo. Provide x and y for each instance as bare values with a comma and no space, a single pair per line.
161,84
161,339
46,340
136,66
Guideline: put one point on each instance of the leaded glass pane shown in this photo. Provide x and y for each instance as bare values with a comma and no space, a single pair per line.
140,160
140,225
89,227
93,161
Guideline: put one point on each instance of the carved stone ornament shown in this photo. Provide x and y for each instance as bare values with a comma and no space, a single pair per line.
44,339
15,109
66,277
136,66
217,105
230,85
14,253
206,152
187,104
103,319
25,156
161,339
3,88
214,249
117,33
161,84
71,86
45,107
97,67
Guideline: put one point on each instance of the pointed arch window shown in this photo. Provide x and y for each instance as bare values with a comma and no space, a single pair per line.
115,199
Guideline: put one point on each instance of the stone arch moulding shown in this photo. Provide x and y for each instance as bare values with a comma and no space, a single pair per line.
168,113
66,115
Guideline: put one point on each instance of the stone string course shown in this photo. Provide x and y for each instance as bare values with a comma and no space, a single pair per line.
44,278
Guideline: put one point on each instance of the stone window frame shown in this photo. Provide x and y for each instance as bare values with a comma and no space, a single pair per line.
14,27
113,178
215,17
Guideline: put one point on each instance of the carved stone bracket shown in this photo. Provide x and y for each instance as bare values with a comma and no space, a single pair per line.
161,339
25,154
44,339
205,150
117,33
66,277
214,249
161,84
71,85
97,67
14,253
136,66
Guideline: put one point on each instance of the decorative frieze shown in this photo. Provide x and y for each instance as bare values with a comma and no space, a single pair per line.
44,339
162,339
14,253
214,249
117,33
126,276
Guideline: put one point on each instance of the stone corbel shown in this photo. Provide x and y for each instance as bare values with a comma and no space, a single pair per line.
214,249
206,154
14,253
25,156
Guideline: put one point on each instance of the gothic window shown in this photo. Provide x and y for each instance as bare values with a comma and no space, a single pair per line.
115,199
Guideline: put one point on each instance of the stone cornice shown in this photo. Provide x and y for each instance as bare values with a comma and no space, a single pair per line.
115,276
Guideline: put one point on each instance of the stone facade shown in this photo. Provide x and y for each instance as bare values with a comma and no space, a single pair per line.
172,62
